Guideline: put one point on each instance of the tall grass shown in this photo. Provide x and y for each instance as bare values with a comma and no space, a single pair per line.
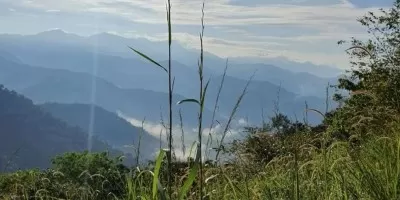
170,93
231,116
198,166
370,172
210,136
201,103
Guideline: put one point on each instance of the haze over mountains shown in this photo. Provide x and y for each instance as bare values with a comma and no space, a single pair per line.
118,65
67,73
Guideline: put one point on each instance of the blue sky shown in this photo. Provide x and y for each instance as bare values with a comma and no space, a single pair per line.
301,30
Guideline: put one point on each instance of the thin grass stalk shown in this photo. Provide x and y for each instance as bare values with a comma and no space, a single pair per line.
234,110
325,164
160,139
182,133
165,127
306,114
264,121
296,168
172,140
209,140
170,100
139,143
278,99
202,97
327,99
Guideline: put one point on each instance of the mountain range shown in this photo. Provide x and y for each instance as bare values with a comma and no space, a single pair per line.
60,85
54,85
108,57
84,82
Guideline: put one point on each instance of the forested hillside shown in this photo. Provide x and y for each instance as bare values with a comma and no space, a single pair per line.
31,136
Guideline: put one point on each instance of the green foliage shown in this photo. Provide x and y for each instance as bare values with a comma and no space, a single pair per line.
74,176
278,138
96,170
373,81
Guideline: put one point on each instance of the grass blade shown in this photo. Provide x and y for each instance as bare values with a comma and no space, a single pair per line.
316,111
188,100
148,58
233,112
192,176
204,95
157,172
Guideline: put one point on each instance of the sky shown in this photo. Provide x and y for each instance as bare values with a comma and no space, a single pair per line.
300,30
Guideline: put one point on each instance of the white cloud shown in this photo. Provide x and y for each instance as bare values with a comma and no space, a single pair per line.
52,11
237,28
217,12
190,133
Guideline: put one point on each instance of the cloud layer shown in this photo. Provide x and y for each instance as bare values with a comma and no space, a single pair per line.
304,30
190,134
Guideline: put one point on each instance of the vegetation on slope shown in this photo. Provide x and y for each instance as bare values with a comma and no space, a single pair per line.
31,136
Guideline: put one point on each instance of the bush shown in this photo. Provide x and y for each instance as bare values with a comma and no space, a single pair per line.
74,176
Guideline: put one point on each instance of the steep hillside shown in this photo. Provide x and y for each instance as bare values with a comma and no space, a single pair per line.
30,137
107,126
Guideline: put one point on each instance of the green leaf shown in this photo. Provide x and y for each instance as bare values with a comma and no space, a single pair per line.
148,58
316,111
204,93
188,100
192,176
157,172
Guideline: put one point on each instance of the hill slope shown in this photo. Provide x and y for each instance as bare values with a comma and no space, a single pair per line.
30,137
107,126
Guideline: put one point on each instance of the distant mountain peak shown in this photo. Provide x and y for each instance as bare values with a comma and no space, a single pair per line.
116,38
53,31
109,34
56,34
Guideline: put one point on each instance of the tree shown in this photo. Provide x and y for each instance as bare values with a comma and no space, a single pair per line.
374,79
279,137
